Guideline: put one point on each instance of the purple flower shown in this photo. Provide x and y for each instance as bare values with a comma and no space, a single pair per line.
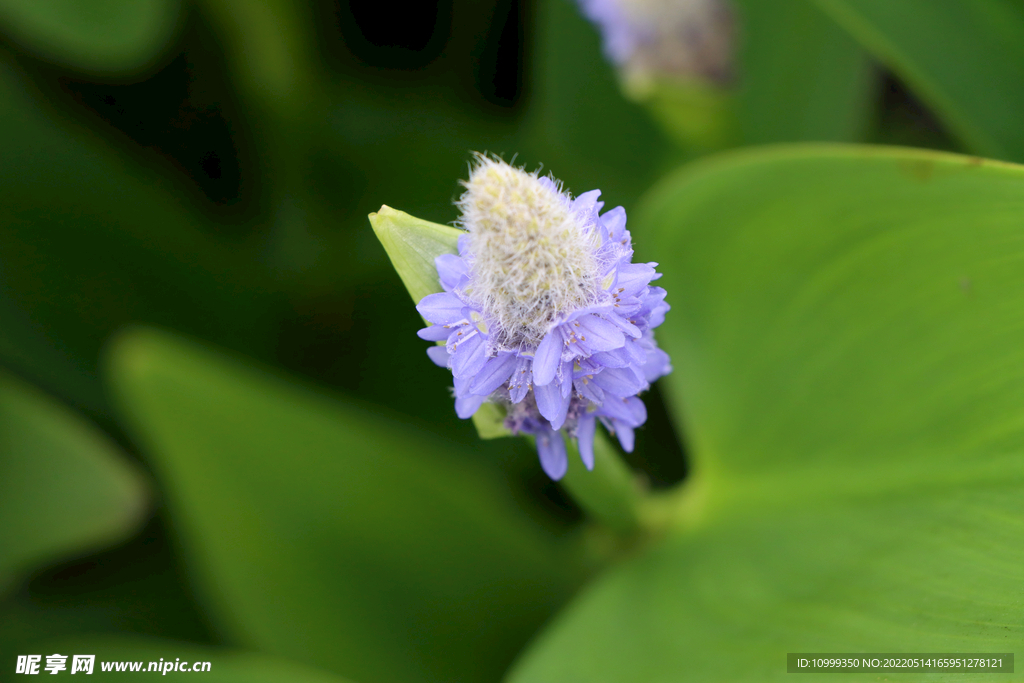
675,38
544,313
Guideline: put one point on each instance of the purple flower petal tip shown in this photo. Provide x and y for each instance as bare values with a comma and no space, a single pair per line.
551,449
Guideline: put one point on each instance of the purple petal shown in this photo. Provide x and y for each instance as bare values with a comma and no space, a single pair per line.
439,355
587,202
585,437
462,385
619,381
551,404
545,362
626,326
631,353
657,316
628,411
654,307
451,269
637,409
654,296
434,333
636,353
598,334
441,309
658,364
551,449
460,334
619,358
522,377
626,436
626,306
493,374
616,409
565,378
466,406
470,355
633,278
586,366
614,220
589,390
604,309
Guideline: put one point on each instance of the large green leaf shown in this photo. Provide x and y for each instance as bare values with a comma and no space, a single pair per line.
64,488
848,340
327,533
225,666
965,58
102,36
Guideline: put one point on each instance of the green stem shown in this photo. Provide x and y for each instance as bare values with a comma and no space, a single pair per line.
617,499
610,493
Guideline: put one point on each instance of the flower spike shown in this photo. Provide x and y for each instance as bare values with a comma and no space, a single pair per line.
675,39
544,314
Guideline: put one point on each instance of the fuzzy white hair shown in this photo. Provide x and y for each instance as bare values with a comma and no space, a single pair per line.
531,256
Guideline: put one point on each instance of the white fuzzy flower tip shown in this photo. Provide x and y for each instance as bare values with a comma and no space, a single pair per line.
533,254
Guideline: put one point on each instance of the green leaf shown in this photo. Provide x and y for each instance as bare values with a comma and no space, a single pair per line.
412,245
101,36
331,534
800,76
226,666
64,488
965,59
847,334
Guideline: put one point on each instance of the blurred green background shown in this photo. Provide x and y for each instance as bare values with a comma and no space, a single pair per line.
178,177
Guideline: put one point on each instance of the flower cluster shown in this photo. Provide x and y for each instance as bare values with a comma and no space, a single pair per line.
544,313
675,38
